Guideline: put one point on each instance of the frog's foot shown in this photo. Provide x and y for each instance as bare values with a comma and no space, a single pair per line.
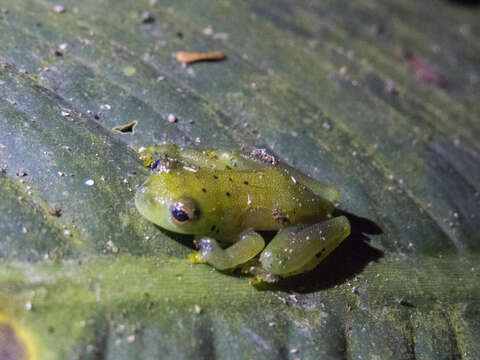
249,245
298,249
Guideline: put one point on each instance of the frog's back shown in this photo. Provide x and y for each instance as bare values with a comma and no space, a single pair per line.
265,199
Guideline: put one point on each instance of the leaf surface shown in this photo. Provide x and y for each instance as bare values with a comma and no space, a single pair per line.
378,98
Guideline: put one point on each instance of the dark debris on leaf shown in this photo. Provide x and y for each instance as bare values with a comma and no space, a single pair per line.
55,210
147,18
126,129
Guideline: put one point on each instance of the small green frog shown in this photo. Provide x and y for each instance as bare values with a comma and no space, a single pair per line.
224,197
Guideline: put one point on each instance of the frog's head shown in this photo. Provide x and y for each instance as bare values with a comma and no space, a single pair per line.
172,203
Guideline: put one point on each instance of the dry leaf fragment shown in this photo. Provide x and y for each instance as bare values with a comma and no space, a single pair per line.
190,57
425,71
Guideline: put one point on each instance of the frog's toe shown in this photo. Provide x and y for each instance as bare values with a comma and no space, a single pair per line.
196,258
256,280
265,277
257,274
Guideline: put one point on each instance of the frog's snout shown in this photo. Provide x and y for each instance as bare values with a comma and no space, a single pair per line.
144,202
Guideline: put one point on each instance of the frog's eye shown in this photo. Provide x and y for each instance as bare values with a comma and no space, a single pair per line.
183,211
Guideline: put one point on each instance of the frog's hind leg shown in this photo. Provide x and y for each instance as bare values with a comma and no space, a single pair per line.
267,159
329,192
298,249
249,245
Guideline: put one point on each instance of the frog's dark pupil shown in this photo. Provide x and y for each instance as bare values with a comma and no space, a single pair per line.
179,214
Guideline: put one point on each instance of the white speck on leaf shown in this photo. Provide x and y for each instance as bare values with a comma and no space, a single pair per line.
171,118
59,9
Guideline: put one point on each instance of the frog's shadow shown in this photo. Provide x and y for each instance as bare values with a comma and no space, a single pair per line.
346,261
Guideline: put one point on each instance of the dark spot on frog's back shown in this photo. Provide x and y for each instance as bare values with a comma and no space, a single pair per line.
204,190
228,194
212,229
245,182
215,177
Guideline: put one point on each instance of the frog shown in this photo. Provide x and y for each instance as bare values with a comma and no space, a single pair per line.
228,198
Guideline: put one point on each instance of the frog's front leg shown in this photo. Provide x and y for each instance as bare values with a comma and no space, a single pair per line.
300,248
248,246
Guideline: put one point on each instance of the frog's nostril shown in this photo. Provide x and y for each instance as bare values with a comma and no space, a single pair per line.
142,200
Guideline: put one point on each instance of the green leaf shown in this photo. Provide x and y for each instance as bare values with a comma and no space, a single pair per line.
380,99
